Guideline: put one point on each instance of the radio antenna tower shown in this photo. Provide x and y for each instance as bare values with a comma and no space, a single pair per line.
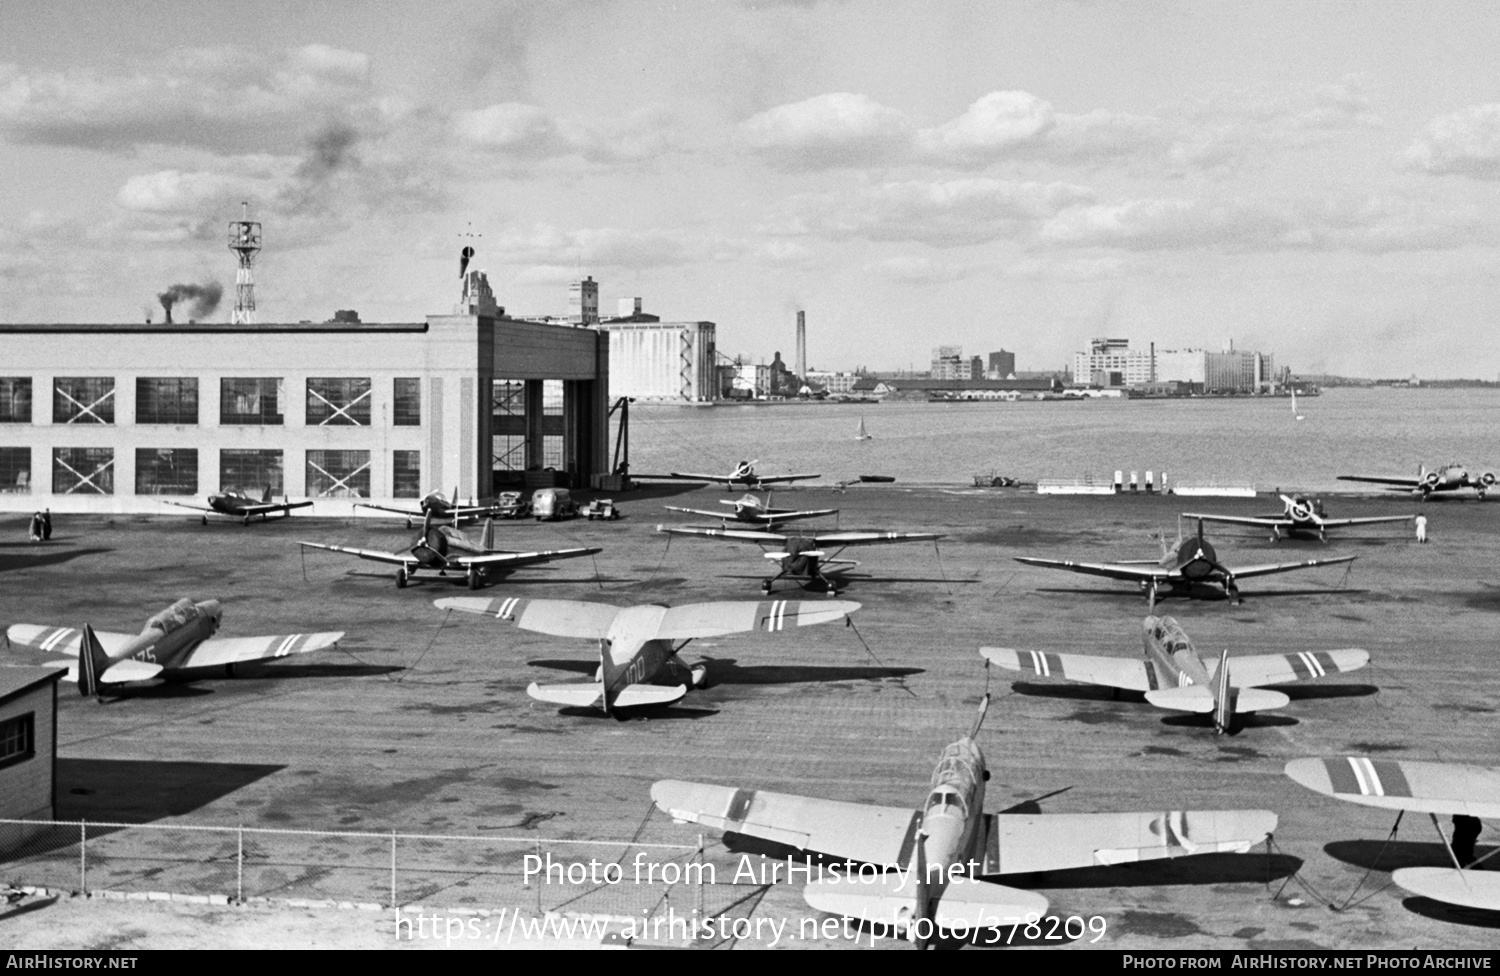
244,240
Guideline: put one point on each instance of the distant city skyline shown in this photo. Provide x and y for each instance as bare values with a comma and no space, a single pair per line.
1315,180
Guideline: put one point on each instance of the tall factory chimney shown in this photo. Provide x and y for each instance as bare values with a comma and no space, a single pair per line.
244,241
801,346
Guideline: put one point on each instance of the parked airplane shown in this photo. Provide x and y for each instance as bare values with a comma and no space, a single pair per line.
803,556
1173,675
1450,477
934,856
636,643
1189,566
753,510
743,475
443,548
177,642
243,506
1302,514
438,506
1422,787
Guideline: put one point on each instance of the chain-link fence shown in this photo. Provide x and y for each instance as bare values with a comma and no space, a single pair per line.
622,878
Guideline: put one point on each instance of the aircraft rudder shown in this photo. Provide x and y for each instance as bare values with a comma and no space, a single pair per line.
92,662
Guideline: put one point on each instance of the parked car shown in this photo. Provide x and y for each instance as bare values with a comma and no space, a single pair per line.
511,505
553,503
600,508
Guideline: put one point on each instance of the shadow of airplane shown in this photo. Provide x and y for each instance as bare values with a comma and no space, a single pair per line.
1313,691
643,713
1078,692
143,790
44,556
1379,855
1206,594
1453,914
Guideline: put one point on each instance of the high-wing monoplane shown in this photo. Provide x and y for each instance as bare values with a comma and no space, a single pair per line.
177,642
1190,566
638,646
802,556
1302,515
1449,477
444,549
930,860
1436,789
743,476
437,505
750,509
243,506
1173,675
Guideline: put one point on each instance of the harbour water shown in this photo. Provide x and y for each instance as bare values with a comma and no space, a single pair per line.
1380,431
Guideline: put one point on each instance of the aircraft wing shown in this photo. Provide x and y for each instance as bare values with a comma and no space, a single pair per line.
871,538
233,650
1241,519
196,508
857,831
1372,520
413,512
775,518
560,618
1402,784
1020,843
1472,889
394,558
1254,670
63,640
1399,482
740,616
270,507
1122,571
1113,672
717,478
1267,569
781,478
505,559
742,535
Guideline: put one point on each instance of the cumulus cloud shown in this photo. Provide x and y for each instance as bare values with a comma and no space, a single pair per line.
1373,225
941,213
225,99
1464,143
529,133
827,131
996,124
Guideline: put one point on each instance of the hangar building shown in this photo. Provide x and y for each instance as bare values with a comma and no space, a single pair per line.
28,748
117,418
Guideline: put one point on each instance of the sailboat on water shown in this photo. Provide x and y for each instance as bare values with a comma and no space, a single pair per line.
1294,405
861,434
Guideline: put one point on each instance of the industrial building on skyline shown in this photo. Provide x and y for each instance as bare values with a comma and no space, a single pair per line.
1111,363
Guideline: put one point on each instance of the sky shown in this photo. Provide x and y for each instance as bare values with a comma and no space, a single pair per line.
1313,180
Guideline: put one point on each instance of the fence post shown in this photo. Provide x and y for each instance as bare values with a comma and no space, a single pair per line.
393,869
83,860
239,878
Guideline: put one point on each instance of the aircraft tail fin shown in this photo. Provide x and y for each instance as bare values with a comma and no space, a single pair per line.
1223,702
487,541
266,498
92,661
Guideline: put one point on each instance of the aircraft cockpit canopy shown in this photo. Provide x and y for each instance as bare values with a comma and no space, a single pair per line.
959,768
948,801
175,616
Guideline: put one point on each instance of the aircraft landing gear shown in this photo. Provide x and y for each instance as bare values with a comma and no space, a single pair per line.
245,521
229,670
474,577
1233,592
765,586
205,520
401,577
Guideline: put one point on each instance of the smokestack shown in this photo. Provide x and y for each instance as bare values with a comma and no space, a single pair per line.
801,346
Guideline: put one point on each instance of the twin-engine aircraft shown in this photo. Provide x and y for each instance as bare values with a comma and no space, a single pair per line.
636,644
243,506
931,859
802,556
743,476
436,505
177,642
444,549
1303,515
1436,789
1190,567
1174,676
752,510
1450,477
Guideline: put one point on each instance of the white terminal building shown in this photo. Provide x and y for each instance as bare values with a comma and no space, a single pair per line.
1112,363
119,417
668,362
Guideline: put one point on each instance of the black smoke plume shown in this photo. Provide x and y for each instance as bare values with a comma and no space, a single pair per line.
205,299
